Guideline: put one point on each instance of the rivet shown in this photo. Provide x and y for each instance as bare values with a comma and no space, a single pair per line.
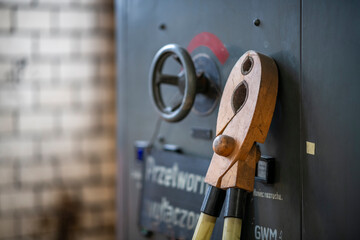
223,145
256,22
162,26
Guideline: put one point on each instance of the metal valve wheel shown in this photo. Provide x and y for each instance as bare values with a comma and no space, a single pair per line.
186,81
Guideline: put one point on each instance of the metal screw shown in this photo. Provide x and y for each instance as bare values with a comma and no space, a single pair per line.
162,26
256,22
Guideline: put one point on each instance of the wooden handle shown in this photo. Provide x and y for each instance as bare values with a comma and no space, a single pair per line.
232,229
204,227
245,113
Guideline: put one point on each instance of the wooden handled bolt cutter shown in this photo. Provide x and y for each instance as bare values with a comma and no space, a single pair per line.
246,109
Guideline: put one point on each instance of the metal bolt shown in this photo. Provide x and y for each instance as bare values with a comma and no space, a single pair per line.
161,139
256,22
162,26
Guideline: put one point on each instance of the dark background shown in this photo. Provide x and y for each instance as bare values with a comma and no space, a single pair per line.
315,45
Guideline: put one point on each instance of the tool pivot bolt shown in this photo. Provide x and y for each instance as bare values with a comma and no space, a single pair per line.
223,145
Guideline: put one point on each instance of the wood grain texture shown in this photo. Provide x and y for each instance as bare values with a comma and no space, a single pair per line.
247,124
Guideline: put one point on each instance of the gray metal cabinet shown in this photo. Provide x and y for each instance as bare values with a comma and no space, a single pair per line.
315,45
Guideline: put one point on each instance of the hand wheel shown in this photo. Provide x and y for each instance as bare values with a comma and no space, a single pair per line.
186,82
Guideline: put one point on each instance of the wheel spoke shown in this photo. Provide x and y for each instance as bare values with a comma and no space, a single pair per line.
168,79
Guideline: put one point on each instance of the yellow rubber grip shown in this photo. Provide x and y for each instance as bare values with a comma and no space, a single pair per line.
204,227
232,228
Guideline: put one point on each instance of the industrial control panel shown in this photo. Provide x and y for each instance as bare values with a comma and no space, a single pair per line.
307,180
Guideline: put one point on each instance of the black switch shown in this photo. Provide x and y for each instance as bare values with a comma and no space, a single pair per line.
265,170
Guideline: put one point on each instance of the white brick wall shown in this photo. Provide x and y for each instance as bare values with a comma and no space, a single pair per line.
58,146
6,123
74,170
16,97
91,95
16,148
98,145
17,200
59,96
108,120
33,19
56,2
6,69
100,45
5,19
33,226
79,121
35,174
108,169
6,174
15,46
17,2
7,227
38,71
56,45
106,20
57,116
36,122
96,194
96,2
75,20
90,220
107,70
77,70
109,216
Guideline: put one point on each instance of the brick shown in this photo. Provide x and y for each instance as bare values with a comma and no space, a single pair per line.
7,227
108,120
6,123
16,97
50,197
56,45
79,121
107,70
57,2
74,170
36,225
107,20
97,235
109,216
108,168
59,146
90,219
77,20
99,45
15,46
56,96
17,1
33,19
36,122
98,144
96,2
98,194
77,70
17,200
100,95
37,71
6,72
16,148
39,173
6,174
5,19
